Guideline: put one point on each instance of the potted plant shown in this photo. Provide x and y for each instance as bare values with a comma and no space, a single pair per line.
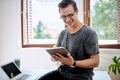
115,67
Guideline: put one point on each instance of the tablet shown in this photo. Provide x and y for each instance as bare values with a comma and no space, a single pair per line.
60,50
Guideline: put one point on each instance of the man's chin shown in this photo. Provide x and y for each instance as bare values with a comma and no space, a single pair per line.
70,25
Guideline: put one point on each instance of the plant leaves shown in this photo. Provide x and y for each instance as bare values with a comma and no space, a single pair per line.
115,66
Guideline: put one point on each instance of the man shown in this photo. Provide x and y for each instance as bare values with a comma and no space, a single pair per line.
81,43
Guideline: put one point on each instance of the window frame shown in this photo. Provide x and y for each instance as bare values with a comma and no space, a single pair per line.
86,10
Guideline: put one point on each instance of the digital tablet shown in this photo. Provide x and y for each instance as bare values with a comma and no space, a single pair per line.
60,50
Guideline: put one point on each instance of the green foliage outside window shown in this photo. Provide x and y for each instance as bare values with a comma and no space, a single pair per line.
41,32
104,19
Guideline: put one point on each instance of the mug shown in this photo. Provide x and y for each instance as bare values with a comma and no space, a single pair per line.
17,62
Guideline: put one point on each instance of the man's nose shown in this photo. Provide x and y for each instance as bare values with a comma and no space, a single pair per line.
67,19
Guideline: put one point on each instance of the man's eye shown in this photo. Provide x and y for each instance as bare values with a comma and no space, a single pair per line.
63,16
70,15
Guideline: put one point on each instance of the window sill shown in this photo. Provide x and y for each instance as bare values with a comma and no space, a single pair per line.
112,44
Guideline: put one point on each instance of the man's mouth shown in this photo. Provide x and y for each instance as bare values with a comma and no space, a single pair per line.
69,23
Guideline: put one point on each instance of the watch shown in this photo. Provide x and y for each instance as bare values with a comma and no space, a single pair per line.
74,64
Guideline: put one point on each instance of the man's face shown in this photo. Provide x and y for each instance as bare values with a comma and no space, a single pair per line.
69,15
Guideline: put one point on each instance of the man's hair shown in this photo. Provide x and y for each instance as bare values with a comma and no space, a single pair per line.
65,3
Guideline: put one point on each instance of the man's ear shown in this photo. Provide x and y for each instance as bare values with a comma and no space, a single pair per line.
77,11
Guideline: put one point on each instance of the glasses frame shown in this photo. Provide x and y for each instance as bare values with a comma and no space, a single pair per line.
63,17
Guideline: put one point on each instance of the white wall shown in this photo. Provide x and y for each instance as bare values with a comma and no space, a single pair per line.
31,58
10,39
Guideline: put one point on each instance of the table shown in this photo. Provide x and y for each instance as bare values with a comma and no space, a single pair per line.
98,75
101,75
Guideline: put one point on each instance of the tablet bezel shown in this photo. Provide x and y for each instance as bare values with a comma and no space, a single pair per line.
60,50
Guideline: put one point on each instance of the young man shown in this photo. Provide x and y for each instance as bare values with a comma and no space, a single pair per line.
81,43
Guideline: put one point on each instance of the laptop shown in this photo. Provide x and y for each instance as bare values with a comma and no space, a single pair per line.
10,71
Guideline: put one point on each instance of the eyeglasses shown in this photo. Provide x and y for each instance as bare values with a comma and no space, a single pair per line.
69,15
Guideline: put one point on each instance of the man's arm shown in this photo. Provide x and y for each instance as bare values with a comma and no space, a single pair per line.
91,62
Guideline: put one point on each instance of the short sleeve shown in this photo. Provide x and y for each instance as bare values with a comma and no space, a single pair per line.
60,38
91,44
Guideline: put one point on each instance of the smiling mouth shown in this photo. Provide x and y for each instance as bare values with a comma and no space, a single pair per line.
69,23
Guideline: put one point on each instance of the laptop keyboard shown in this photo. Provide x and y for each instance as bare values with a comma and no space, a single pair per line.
23,77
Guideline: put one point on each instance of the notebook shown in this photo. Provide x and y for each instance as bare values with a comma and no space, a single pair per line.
12,72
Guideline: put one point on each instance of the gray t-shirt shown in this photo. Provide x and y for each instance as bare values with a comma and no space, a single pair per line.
80,45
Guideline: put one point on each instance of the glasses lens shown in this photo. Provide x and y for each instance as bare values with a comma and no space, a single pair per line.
69,15
62,17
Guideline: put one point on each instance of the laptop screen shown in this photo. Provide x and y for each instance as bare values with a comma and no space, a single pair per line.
11,70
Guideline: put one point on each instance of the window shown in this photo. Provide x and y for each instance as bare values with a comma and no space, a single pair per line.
41,24
103,19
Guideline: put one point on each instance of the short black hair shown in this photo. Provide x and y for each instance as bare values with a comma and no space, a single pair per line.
65,3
